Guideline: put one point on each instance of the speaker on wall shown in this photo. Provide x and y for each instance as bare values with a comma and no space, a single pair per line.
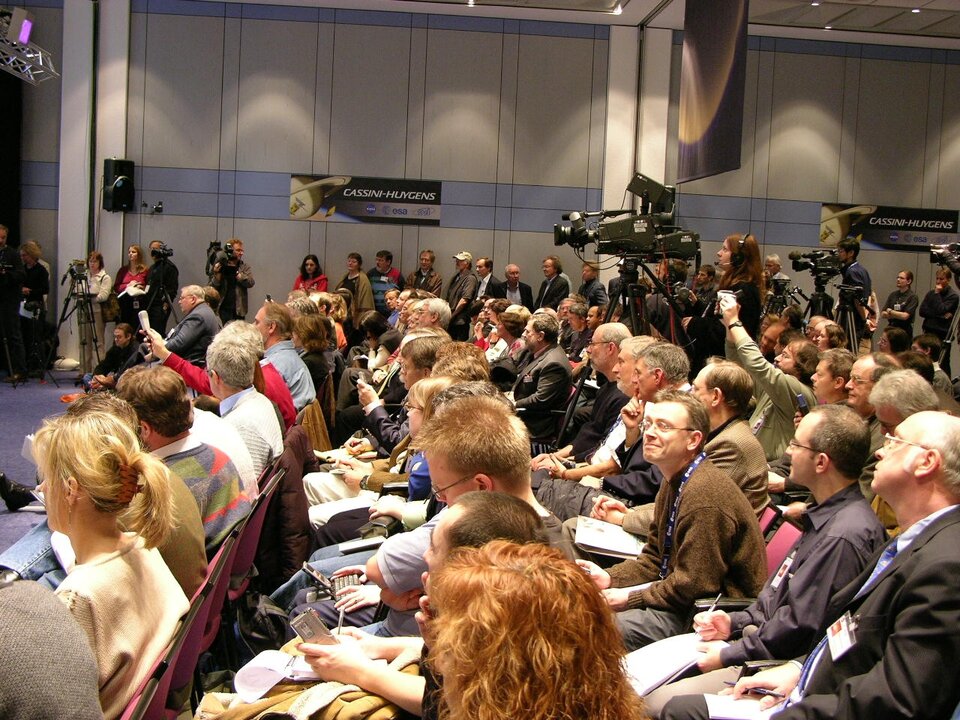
118,189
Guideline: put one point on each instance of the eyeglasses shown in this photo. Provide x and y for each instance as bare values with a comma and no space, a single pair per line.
437,492
408,407
795,444
661,427
597,342
857,380
890,441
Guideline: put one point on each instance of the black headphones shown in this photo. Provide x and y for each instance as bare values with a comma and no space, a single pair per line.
737,258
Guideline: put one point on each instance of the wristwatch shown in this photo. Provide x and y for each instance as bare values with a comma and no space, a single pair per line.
735,323
363,482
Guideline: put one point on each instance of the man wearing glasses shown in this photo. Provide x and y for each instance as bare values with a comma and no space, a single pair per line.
840,534
863,375
889,647
708,543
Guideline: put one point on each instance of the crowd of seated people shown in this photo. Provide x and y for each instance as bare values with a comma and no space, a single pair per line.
469,424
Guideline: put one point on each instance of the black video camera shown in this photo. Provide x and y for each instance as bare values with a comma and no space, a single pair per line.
161,252
823,264
938,253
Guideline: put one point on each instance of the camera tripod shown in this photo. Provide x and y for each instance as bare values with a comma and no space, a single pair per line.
819,303
159,318
845,316
82,304
630,291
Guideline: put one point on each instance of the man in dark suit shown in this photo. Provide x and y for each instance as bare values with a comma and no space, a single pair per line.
515,291
554,287
191,336
490,285
895,646
592,288
543,380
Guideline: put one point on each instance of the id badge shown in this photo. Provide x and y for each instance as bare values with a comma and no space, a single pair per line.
782,572
842,635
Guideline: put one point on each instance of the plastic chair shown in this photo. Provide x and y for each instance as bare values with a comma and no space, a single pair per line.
779,545
149,702
249,538
768,517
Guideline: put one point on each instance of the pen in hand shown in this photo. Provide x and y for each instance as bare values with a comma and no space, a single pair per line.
713,606
758,690
340,622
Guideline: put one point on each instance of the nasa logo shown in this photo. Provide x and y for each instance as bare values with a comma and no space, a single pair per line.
371,209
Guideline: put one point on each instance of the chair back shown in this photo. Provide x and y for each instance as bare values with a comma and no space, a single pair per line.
784,538
248,537
315,424
767,518
149,703
220,581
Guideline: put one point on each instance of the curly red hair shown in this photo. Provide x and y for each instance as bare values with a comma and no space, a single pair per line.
521,632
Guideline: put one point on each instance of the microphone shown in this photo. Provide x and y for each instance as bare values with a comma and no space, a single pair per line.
795,255
571,216
64,278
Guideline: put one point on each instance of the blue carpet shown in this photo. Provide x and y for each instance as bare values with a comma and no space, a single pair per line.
23,409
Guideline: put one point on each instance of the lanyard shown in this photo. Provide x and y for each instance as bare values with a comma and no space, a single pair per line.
672,521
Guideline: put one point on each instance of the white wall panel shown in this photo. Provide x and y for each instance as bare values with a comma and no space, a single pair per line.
553,110
184,67
277,95
805,127
890,130
369,100
462,108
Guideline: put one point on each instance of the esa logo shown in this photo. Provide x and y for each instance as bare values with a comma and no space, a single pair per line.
371,209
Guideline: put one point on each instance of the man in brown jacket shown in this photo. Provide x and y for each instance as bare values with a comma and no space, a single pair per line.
704,537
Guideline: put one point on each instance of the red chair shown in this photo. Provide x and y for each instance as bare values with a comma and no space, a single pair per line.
784,538
149,702
200,635
248,539
768,517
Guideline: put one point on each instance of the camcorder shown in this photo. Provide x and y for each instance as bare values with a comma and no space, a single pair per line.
639,236
822,264
77,269
938,253
161,252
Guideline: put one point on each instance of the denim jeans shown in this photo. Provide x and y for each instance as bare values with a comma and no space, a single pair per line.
32,558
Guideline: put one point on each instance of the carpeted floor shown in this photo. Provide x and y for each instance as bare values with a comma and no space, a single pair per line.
23,409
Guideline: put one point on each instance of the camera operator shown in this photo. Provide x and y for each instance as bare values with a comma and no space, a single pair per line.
163,281
856,275
11,282
739,258
231,277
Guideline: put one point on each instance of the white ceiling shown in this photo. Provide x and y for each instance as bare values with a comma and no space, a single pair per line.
937,24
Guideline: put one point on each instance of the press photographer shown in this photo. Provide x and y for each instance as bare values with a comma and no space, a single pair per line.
231,277
163,281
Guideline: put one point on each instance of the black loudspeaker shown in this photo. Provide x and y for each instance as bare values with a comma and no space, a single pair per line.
118,189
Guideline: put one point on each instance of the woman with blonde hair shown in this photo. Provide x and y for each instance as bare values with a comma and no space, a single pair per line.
518,631
112,501
131,279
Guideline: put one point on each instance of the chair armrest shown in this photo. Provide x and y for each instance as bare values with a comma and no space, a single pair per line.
395,488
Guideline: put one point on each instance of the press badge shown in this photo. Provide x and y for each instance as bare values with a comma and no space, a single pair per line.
782,572
842,635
